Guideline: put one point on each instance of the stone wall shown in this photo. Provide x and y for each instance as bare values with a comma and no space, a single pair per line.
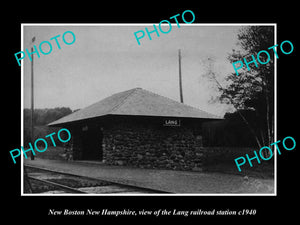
152,147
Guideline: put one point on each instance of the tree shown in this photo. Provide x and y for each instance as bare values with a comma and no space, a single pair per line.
42,117
252,90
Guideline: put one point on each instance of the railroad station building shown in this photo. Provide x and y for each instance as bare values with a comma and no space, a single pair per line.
138,128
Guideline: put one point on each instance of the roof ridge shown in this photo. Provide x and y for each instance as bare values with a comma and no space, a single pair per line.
123,101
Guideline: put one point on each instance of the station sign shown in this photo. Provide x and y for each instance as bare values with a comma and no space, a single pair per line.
171,123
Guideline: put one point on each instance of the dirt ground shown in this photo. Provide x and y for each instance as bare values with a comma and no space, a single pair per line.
180,182
264,170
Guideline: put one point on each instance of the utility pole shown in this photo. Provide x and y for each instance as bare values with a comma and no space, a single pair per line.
32,102
180,79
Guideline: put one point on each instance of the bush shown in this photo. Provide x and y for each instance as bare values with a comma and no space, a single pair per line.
41,118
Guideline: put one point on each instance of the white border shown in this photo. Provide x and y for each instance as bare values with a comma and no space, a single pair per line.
275,111
151,24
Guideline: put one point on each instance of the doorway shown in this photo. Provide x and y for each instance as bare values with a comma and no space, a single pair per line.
92,144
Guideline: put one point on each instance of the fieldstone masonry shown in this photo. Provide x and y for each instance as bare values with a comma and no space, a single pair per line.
152,147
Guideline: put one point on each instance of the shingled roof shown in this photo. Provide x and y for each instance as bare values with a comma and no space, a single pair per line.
138,102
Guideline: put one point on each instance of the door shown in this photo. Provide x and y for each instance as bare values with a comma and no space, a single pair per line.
92,144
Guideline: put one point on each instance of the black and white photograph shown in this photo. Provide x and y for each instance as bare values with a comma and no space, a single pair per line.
147,113
165,116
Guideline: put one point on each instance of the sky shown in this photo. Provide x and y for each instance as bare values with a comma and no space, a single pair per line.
106,59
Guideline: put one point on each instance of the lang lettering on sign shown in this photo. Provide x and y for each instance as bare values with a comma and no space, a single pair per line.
172,123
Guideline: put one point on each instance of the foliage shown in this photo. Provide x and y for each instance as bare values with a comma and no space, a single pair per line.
41,118
230,132
251,93
254,90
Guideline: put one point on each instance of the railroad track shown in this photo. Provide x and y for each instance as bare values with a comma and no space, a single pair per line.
46,181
